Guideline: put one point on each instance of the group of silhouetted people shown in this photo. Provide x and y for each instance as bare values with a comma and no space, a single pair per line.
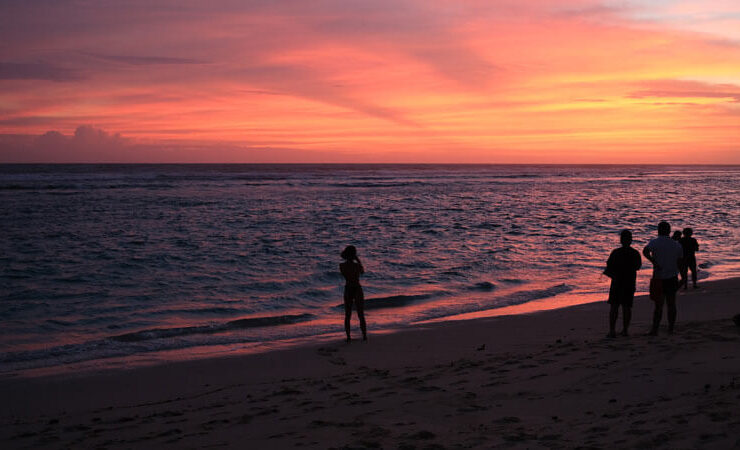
671,258
690,247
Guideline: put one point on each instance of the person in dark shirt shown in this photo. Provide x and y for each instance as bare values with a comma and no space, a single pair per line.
690,247
622,267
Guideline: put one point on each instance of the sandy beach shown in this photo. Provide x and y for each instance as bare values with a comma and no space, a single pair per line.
195,195
543,380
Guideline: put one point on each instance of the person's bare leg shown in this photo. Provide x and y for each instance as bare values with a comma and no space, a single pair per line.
613,314
361,314
693,275
626,317
657,316
671,301
363,325
347,317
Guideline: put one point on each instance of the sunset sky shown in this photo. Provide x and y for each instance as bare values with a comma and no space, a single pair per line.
483,81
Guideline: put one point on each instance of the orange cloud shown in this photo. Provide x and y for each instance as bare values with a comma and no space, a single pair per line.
382,81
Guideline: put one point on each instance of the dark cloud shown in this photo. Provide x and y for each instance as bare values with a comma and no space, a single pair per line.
734,96
28,120
36,71
726,43
93,145
143,60
86,143
686,89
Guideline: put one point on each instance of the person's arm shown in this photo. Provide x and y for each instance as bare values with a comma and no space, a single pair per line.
648,254
362,269
609,271
638,262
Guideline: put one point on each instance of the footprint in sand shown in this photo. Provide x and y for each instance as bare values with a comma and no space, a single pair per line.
421,435
508,420
326,351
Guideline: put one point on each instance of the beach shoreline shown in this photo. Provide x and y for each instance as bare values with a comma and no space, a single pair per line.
489,381
163,357
182,355
91,283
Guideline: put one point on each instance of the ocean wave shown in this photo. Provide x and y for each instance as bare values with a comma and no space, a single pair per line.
524,175
329,276
266,286
520,297
100,349
220,310
487,225
392,301
483,286
252,322
83,186
514,298
453,273
513,281
36,187
378,184
317,293
414,264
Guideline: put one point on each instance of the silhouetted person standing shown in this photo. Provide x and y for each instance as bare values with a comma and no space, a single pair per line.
690,247
351,269
622,267
666,255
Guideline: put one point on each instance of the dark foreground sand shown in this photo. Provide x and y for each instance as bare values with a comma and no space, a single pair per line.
544,380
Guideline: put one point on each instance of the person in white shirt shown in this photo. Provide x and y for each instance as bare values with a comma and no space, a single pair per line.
666,255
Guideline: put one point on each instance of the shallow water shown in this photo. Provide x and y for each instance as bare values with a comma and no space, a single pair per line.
124,260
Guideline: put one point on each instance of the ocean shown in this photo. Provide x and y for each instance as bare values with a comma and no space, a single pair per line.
116,265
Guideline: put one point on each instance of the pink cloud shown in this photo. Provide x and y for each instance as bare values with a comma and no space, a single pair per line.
476,79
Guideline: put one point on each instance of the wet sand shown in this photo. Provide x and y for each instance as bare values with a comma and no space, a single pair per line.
543,380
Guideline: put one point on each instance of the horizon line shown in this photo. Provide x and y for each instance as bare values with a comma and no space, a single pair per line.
355,164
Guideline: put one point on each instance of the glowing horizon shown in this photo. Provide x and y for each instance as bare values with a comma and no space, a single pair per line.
567,81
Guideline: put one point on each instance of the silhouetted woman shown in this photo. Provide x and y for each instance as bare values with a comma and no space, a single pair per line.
351,269
690,247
